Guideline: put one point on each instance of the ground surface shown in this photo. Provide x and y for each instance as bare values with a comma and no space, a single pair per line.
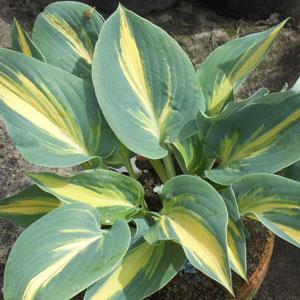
199,30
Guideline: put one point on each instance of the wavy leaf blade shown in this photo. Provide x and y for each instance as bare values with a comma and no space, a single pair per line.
144,270
188,201
20,41
157,90
52,116
274,201
267,145
73,28
27,206
65,248
116,196
230,64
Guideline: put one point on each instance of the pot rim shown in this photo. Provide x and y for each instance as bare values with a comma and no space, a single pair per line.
249,290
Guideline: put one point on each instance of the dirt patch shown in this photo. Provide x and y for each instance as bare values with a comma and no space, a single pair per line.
152,199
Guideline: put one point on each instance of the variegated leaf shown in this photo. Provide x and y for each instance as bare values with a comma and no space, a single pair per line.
235,235
20,41
189,146
274,201
52,116
260,137
66,33
116,196
226,68
157,92
195,215
144,270
189,155
63,253
27,206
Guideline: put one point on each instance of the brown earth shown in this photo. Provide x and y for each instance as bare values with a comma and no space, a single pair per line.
199,30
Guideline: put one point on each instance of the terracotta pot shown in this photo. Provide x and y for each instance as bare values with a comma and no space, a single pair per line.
250,289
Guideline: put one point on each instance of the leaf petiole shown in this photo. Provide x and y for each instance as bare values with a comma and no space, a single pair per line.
169,165
159,169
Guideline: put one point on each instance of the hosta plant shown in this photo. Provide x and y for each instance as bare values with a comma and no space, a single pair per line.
97,94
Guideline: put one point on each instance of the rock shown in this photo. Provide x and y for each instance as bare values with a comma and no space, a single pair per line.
220,36
141,7
274,18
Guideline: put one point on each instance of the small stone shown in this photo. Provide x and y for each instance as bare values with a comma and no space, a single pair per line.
220,36
274,18
202,35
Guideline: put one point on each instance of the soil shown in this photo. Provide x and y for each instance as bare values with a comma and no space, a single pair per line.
199,30
191,284
152,199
